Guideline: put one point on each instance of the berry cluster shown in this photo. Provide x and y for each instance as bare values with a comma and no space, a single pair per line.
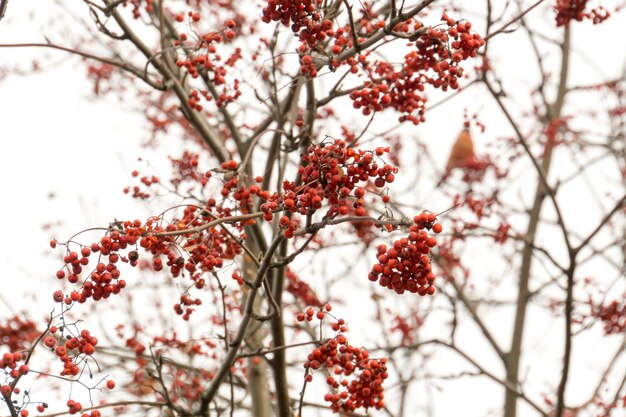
331,172
480,207
367,25
138,5
435,61
308,66
206,61
356,379
10,361
186,168
613,315
101,74
207,250
231,187
406,327
301,290
182,384
406,265
289,225
568,10
17,334
104,279
72,350
147,181
186,301
302,16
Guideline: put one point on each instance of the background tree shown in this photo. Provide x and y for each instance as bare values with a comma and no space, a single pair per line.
316,258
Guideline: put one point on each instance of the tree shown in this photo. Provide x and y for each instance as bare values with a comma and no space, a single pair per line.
315,258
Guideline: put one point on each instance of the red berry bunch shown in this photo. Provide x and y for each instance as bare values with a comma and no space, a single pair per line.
303,16
196,253
332,173
207,248
568,10
308,66
435,61
147,181
9,364
104,278
138,5
72,350
406,327
406,266
356,379
613,315
73,406
18,334
185,168
367,24
364,389
194,99
205,60
301,290
187,302
232,189
288,225
101,73
5,390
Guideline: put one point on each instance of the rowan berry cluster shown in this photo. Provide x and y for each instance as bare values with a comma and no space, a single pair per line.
206,61
356,379
147,181
568,10
104,278
613,316
480,207
406,266
307,66
406,327
303,16
17,334
331,173
241,194
441,50
138,5
185,168
368,22
301,290
9,362
183,308
184,384
101,74
435,61
206,250
71,350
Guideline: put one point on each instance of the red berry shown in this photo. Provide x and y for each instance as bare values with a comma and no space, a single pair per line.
58,296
